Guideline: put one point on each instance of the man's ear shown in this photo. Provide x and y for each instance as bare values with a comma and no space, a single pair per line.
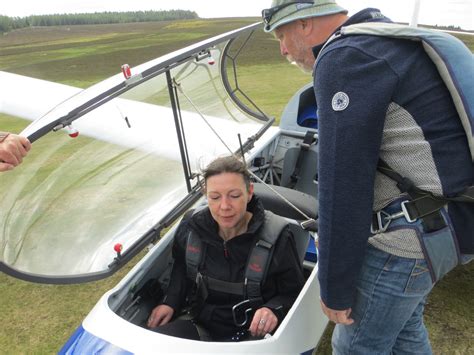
305,25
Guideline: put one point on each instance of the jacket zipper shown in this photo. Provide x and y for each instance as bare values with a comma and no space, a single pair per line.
226,252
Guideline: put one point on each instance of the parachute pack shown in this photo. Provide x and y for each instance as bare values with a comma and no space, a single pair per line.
454,61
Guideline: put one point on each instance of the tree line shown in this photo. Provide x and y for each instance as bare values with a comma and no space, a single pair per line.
11,23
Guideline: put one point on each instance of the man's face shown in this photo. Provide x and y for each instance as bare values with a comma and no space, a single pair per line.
293,47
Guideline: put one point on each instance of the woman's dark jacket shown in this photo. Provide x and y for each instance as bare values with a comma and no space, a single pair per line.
282,285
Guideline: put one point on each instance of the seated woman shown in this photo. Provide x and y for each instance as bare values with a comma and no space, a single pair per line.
228,231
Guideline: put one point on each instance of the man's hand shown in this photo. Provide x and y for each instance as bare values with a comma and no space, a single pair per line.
264,321
338,317
13,149
160,315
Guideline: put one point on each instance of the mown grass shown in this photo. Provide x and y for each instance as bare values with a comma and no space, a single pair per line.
40,318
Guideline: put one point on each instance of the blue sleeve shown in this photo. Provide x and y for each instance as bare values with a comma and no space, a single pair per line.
349,144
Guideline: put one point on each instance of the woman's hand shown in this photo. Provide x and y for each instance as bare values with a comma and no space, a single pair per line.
160,315
264,321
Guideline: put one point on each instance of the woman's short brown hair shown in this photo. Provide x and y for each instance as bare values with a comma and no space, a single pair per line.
228,164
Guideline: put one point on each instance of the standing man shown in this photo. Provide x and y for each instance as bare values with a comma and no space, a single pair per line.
378,98
13,149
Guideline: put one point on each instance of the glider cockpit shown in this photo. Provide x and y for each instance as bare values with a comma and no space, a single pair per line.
83,207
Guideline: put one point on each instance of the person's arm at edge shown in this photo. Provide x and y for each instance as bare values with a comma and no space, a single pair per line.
13,148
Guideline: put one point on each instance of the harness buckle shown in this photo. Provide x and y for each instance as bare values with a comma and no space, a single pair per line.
384,218
382,222
310,225
200,279
245,307
405,212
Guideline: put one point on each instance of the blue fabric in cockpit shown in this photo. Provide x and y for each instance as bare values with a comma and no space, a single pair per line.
308,117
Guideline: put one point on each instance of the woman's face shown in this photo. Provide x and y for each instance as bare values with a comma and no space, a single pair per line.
227,196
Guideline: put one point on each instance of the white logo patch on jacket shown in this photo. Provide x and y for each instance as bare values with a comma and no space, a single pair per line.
340,101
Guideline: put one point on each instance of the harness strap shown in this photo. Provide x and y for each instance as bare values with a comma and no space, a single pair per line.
382,220
194,252
406,185
261,254
422,204
234,288
305,145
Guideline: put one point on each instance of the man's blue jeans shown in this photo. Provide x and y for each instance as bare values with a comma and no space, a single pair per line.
388,311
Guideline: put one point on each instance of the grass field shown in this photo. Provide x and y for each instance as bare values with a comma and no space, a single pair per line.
40,318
